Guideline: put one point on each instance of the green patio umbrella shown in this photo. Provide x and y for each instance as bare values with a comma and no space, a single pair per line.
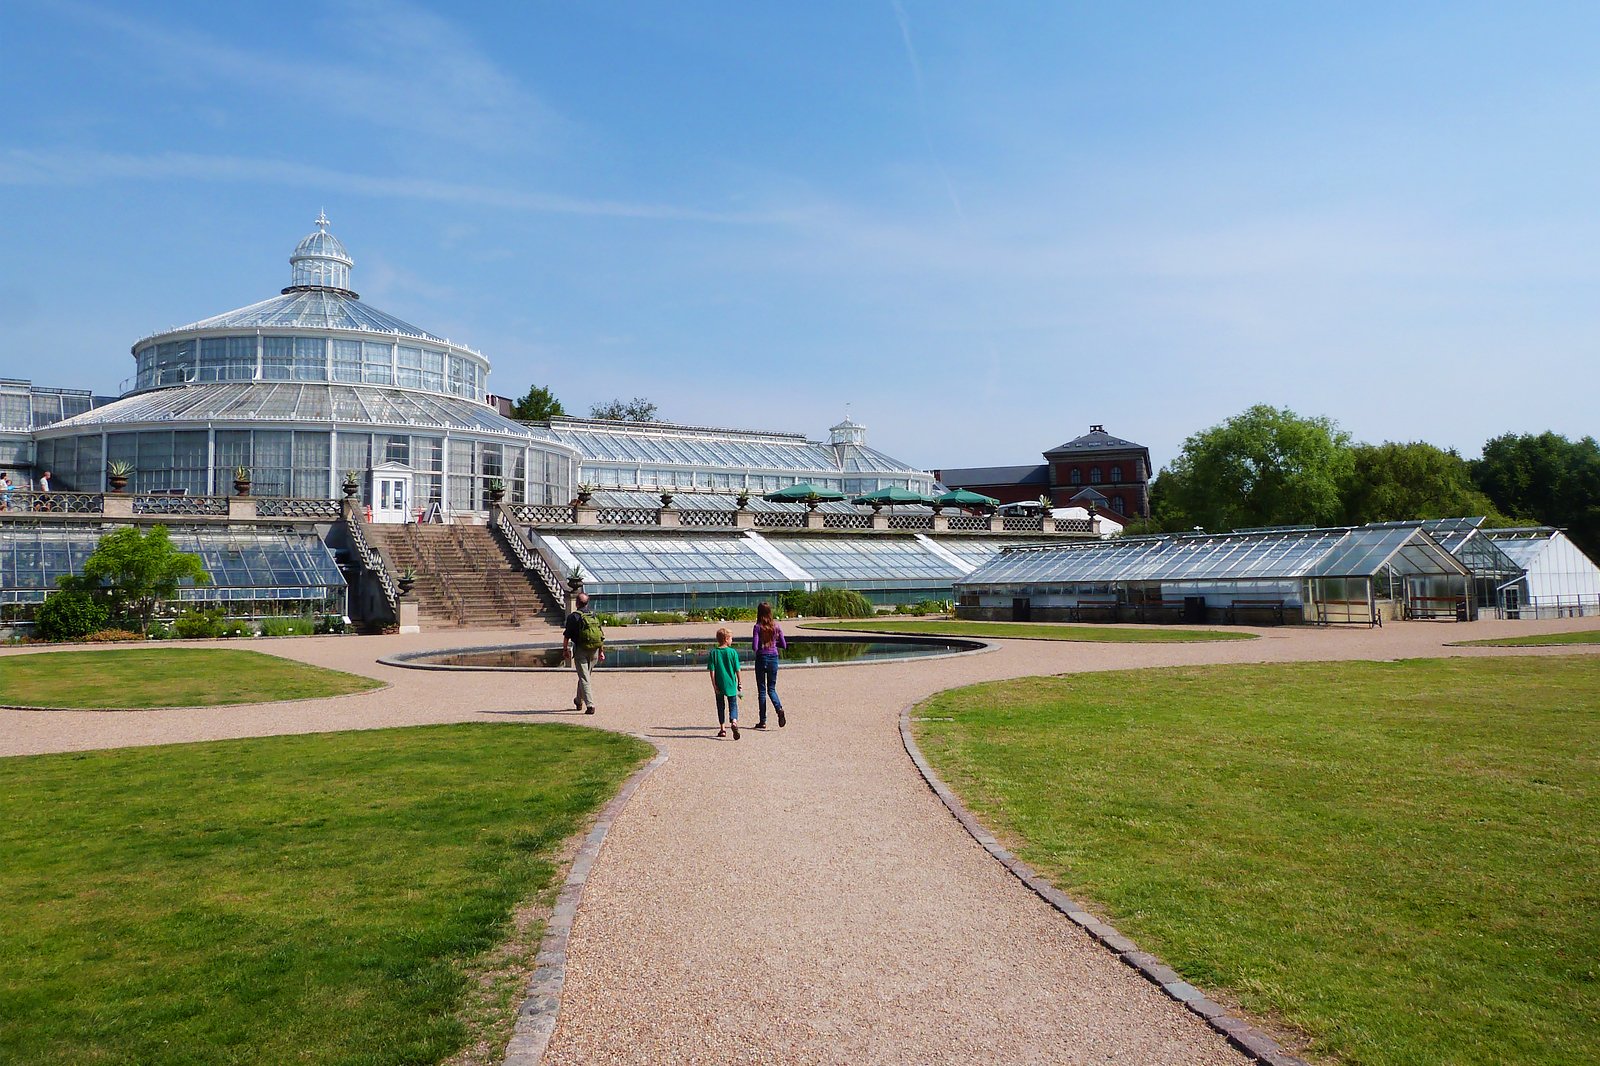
802,493
966,498
891,495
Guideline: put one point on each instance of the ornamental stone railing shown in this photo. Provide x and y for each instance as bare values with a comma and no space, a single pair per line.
166,504
296,507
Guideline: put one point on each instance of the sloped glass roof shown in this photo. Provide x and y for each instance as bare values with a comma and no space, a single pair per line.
1225,557
242,565
319,309
668,445
299,402
670,563
865,561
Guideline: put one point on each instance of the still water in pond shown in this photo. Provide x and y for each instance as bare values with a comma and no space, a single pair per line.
665,654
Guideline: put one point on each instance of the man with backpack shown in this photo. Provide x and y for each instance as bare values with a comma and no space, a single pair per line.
583,643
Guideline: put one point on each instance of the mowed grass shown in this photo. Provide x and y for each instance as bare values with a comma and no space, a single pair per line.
1534,640
165,677
1401,860
1033,630
315,899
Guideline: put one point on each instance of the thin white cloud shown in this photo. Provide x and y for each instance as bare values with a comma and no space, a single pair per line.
27,167
397,66
904,22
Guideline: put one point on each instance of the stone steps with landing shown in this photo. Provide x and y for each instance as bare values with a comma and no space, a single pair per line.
464,577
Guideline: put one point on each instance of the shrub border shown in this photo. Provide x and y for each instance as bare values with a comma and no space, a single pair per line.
1239,1032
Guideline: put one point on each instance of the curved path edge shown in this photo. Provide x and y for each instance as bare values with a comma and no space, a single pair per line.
1238,1032
536,1017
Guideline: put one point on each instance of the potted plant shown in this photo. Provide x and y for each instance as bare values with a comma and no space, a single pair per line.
241,480
575,579
743,499
585,493
497,490
352,484
408,578
812,499
117,473
666,497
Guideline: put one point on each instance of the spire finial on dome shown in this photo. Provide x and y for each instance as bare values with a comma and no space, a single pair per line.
320,261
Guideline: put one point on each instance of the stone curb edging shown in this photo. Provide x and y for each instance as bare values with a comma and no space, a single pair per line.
536,1017
1239,1033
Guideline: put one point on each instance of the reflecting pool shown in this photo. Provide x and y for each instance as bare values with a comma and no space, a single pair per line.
687,654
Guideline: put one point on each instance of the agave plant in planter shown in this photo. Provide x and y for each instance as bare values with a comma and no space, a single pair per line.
241,480
408,578
666,497
497,490
743,499
585,493
118,471
352,484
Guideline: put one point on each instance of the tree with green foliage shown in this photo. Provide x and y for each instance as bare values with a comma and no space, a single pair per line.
136,571
1545,478
537,405
1393,482
637,409
1264,467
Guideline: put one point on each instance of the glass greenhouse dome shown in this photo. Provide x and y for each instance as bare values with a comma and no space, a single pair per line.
301,388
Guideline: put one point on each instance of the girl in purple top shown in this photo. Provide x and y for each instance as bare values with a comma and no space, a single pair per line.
766,640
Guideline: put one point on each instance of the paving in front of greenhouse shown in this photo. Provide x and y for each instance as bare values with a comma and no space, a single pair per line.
798,896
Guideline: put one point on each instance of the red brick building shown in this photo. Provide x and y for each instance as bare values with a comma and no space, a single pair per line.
1108,471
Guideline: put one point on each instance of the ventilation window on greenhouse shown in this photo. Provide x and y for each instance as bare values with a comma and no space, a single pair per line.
347,360
376,365
409,363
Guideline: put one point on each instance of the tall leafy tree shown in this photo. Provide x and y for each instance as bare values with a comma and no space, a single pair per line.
1392,482
637,409
137,570
1545,478
1263,467
537,405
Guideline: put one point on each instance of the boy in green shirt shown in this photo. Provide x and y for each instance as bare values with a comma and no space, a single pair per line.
723,664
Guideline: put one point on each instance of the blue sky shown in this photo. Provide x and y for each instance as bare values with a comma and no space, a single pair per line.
982,226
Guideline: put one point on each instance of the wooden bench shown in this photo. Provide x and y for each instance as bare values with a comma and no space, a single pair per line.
1167,609
1450,608
1275,606
1094,608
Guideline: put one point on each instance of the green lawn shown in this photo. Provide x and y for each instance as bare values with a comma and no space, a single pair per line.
165,677
1534,640
1400,859
1033,630
317,899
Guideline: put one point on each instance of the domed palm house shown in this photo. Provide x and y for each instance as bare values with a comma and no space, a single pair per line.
301,389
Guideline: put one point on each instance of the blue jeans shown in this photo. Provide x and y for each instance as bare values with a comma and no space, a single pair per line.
767,682
732,704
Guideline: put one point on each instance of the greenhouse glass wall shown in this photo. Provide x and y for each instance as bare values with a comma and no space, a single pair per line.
1321,575
253,573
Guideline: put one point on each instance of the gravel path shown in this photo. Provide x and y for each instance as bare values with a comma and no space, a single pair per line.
798,896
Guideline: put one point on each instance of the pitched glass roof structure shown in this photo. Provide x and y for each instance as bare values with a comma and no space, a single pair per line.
646,455
1284,555
245,566
631,571
240,401
312,310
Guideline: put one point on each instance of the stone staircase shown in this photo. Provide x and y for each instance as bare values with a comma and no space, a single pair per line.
465,578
